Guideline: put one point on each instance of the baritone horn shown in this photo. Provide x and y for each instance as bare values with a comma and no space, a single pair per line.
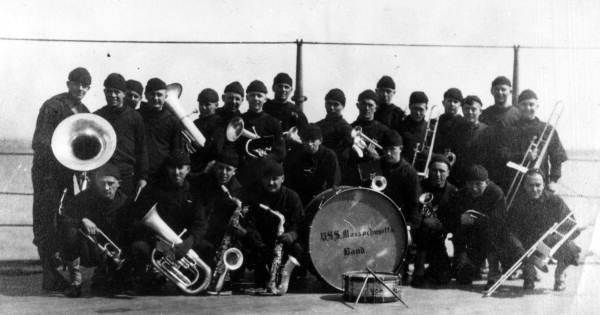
83,142
235,130
361,141
190,132
106,246
189,273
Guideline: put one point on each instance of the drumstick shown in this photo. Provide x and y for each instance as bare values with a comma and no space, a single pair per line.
385,285
361,290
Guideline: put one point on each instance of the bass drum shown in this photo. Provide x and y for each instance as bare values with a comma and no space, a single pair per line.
351,228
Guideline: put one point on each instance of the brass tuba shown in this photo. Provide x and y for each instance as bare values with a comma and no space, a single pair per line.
184,272
190,132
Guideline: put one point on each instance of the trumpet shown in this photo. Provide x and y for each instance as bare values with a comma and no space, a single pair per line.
106,246
535,153
424,150
426,200
361,140
190,132
184,272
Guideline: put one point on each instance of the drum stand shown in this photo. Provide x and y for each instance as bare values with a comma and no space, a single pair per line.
381,282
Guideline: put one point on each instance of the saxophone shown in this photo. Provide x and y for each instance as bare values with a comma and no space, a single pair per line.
280,277
227,258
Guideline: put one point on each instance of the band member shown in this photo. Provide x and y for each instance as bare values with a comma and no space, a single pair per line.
103,207
49,177
173,200
501,113
476,218
131,155
530,126
312,167
334,128
208,123
263,224
282,109
431,235
163,129
134,93
414,126
532,214
361,169
387,113
448,121
233,97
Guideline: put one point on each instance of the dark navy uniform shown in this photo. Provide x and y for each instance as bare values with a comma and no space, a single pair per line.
390,115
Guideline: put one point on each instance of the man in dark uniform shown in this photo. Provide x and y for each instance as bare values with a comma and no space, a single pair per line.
532,214
282,109
133,95
208,123
102,207
131,155
233,97
263,223
501,113
476,217
530,126
414,126
171,196
364,160
49,177
448,121
334,128
312,167
431,235
387,113
163,129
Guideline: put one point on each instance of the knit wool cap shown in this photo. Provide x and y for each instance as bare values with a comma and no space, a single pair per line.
336,95
80,75
472,99
310,133
271,168
155,84
282,78
418,97
501,80
386,82
439,158
256,86
228,156
392,139
135,86
367,95
208,96
178,158
453,94
108,169
526,95
115,81
235,87
476,173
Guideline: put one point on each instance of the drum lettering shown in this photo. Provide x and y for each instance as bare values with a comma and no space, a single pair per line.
354,251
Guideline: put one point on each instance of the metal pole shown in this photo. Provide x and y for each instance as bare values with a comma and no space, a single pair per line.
515,75
299,97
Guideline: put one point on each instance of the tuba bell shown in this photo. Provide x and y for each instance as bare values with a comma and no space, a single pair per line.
184,272
190,132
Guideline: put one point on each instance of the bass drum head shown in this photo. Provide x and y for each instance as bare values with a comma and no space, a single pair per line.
354,228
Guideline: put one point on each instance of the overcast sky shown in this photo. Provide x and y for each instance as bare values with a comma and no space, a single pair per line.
34,71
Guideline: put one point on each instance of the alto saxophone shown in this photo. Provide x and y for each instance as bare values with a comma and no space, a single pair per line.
227,257
280,277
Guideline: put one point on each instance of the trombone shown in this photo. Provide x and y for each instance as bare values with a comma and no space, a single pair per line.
424,150
534,155
106,245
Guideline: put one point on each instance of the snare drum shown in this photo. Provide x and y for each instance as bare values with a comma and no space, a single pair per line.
351,228
374,291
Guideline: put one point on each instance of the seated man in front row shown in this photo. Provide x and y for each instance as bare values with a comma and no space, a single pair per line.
532,214
102,207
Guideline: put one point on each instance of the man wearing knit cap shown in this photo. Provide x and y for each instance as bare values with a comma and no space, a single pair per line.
49,177
133,95
233,97
414,126
131,155
363,162
102,207
312,167
476,217
430,236
263,224
282,109
448,121
163,128
334,128
208,123
530,126
501,114
388,113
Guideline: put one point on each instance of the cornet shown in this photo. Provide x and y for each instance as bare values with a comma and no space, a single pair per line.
106,245
361,141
